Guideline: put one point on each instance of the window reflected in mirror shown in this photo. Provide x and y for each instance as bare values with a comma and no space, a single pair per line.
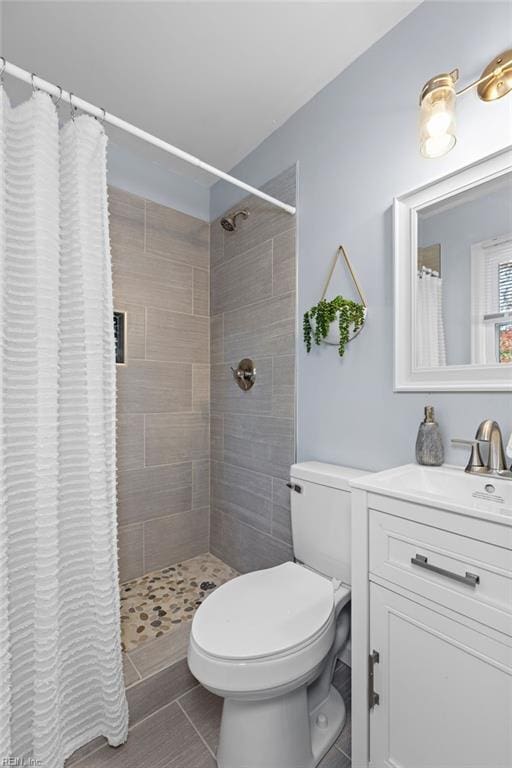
463,282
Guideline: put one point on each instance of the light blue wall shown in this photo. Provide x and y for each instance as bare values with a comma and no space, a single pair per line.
456,230
133,173
356,144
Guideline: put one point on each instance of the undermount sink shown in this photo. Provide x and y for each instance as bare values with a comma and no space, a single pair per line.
445,486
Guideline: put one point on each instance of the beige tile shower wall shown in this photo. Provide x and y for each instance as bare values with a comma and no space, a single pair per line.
160,263
252,433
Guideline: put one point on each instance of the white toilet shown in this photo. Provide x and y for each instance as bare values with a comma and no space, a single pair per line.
267,641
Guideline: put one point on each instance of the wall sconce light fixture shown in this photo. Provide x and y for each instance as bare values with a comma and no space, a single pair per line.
437,102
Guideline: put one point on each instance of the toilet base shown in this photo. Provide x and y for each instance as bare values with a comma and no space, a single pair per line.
274,733
324,733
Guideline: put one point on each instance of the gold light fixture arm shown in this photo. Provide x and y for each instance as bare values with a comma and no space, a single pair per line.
496,79
473,84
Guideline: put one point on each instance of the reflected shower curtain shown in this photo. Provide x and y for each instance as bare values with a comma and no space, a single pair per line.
430,340
61,681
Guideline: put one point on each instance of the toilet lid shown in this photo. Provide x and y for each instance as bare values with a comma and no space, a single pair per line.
264,613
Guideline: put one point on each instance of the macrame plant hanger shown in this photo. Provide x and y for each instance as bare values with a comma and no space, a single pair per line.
341,252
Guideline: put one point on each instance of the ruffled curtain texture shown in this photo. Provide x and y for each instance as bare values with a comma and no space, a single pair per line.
61,680
430,338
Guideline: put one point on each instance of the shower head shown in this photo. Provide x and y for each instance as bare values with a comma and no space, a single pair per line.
229,222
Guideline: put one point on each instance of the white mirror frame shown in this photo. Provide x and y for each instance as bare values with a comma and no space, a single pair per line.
454,378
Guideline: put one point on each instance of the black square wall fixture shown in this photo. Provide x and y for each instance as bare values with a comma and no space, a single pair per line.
120,337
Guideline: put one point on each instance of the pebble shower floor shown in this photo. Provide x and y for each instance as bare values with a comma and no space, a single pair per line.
160,601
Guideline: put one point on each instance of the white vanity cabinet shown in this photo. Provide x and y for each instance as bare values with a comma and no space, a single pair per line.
432,617
445,689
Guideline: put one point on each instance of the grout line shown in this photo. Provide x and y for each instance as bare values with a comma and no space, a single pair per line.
180,261
246,472
169,464
128,258
132,663
227,261
343,753
179,362
144,440
164,517
151,466
223,338
187,412
209,519
145,222
195,729
143,549
261,359
272,264
86,757
123,268
169,704
130,525
120,304
257,245
250,471
145,332
122,300
244,307
258,530
257,414
165,664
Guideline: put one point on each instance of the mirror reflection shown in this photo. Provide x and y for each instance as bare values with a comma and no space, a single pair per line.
463,293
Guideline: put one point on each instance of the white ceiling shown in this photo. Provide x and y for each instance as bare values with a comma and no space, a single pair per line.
214,78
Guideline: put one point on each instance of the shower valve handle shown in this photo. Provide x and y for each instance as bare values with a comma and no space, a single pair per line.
245,374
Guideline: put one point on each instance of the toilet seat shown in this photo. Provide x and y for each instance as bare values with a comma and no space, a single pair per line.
264,613
263,630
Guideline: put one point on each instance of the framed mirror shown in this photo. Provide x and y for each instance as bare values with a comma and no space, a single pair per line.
453,281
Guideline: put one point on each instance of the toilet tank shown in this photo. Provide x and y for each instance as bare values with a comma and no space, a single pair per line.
320,511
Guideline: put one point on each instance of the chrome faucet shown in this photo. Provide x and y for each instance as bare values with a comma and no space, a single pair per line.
488,432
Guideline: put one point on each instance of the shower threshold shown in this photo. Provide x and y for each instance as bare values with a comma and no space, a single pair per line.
160,603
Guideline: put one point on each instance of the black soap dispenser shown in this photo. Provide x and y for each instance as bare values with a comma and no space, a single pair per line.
429,444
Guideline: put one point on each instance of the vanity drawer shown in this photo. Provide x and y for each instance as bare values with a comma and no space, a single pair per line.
469,576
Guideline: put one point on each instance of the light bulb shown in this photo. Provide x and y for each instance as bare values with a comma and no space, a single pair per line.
437,146
439,123
437,117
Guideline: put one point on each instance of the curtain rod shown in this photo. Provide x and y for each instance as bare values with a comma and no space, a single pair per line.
55,90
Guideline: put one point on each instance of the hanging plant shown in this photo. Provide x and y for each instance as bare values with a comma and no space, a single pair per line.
349,314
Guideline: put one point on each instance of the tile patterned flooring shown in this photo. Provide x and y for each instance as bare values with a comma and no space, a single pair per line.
160,602
184,734
175,722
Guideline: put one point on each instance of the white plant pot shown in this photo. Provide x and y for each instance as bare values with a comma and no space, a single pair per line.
333,337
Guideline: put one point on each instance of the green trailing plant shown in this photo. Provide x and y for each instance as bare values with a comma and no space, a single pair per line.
347,312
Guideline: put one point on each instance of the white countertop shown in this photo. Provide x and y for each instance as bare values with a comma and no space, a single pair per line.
447,487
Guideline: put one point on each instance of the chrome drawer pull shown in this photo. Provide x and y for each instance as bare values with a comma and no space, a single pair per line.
471,579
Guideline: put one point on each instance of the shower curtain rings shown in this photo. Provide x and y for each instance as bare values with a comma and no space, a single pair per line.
72,109
101,120
34,89
56,103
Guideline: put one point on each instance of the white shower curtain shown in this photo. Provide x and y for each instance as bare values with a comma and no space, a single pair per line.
61,681
430,340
